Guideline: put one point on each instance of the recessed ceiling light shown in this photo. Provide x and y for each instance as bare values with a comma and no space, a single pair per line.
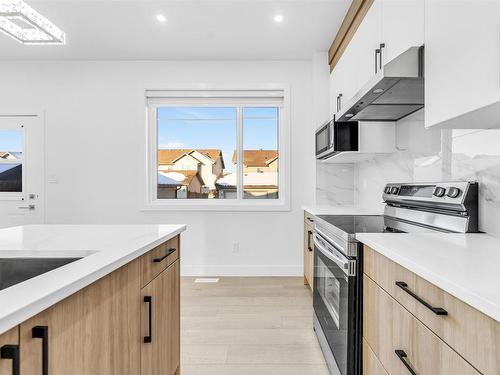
21,22
161,18
278,18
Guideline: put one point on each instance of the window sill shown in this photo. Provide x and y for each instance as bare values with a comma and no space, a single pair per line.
252,206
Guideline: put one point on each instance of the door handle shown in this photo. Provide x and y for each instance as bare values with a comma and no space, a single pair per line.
340,101
309,235
161,259
382,46
435,310
11,352
149,338
377,53
42,332
402,357
30,207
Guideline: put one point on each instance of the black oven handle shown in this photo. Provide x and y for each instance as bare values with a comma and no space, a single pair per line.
337,259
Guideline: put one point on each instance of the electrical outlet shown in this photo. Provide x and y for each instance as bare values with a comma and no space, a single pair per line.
236,247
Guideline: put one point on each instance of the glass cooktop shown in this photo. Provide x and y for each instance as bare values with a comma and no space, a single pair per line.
352,224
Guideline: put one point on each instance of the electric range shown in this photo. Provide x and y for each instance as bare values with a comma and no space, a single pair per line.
338,257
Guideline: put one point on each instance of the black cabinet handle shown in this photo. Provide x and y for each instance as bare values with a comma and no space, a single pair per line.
377,52
382,46
11,352
149,337
402,357
435,310
309,235
169,251
42,332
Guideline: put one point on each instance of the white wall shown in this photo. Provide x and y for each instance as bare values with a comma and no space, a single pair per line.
95,119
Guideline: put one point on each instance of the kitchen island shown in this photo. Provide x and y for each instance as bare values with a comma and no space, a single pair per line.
113,309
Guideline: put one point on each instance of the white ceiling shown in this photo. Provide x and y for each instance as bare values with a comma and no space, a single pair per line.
195,30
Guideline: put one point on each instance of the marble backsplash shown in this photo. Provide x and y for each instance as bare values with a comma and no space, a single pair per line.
422,156
335,184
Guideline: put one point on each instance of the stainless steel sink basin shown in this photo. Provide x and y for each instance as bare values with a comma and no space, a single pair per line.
16,270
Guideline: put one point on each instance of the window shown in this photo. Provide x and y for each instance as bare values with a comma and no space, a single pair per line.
217,148
11,163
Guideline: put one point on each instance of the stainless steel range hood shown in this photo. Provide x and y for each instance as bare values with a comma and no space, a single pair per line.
396,91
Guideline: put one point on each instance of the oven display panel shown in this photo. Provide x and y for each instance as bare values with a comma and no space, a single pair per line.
420,191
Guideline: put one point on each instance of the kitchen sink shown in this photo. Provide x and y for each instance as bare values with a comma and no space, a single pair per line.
16,270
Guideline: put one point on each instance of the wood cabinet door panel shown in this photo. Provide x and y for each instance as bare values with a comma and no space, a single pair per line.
308,255
161,322
64,322
10,337
371,364
111,320
94,331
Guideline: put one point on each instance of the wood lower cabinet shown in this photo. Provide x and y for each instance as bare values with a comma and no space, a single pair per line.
161,324
475,336
101,328
308,250
401,342
9,352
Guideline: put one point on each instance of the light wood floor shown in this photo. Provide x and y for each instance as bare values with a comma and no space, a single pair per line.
247,326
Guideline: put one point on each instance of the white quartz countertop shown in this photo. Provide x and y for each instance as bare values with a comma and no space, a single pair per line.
103,248
338,210
466,266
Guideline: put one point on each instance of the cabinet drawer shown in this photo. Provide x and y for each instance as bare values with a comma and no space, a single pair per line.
9,344
389,327
158,259
308,218
371,364
469,332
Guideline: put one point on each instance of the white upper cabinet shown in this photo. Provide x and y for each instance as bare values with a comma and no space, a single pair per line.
357,64
462,63
365,43
402,26
397,24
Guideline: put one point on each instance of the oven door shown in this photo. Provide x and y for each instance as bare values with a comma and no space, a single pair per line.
335,305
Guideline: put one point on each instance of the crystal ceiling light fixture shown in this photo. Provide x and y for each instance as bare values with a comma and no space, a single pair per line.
21,22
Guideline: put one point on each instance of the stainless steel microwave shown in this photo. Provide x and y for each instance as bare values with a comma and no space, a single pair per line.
335,137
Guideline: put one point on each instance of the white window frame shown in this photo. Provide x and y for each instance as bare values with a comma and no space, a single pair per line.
12,195
263,96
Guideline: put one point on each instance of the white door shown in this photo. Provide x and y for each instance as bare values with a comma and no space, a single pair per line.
21,170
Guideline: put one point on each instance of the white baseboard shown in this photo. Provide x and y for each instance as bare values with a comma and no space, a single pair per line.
242,270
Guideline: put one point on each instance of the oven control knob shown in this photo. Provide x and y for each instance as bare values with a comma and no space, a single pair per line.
394,190
453,192
387,190
439,191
